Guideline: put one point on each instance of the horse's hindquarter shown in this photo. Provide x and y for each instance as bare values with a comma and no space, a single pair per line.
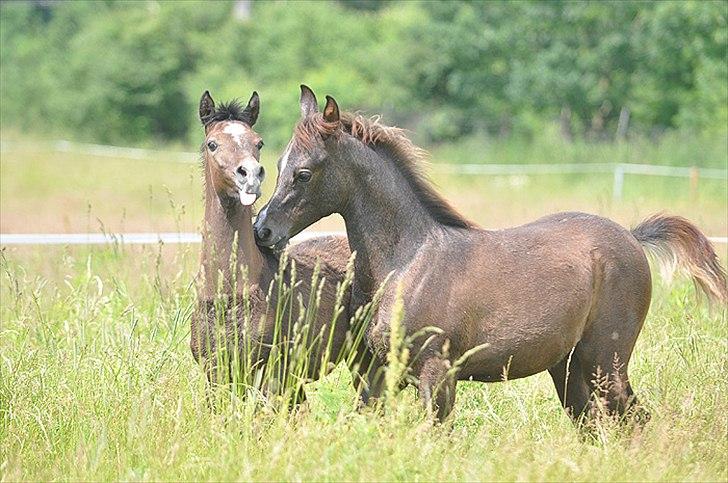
524,294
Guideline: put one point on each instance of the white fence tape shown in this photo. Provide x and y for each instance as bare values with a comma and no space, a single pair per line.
116,151
151,238
493,169
485,169
618,170
124,238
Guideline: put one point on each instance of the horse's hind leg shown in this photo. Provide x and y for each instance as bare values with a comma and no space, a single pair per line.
604,353
573,389
621,298
368,377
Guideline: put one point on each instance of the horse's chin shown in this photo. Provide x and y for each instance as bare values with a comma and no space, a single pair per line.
276,248
280,244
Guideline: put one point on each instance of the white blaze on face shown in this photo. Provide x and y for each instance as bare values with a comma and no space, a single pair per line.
236,130
286,154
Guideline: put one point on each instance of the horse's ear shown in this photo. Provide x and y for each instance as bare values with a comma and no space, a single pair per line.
252,109
207,107
309,105
331,111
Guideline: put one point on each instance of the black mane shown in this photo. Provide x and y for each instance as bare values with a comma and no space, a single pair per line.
230,111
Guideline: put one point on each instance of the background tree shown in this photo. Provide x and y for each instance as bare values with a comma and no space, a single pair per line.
125,72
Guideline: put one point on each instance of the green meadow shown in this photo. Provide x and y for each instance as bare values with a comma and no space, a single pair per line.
97,381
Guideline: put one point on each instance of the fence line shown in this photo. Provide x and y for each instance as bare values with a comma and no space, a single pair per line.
124,238
582,168
618,170
152,238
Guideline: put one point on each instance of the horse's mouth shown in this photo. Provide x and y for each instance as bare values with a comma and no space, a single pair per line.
274,248
247,199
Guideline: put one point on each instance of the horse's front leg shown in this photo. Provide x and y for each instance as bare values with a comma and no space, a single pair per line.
437,384
368,377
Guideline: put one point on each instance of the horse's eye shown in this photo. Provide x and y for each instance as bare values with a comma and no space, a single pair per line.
260,145
212,145
303,176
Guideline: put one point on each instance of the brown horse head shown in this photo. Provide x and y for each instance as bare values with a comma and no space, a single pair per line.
231,149
328,157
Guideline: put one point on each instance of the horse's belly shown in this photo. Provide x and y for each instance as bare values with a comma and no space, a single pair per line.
521,347
523,309
502,365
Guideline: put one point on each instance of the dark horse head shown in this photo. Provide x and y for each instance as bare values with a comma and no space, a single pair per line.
328,163
303,192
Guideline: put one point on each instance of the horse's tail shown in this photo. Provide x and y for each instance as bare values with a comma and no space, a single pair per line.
677,243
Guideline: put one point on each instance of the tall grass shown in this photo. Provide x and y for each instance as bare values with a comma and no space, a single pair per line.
97,382
266,350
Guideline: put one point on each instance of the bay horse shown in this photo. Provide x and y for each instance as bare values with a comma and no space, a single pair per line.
567,293
233,267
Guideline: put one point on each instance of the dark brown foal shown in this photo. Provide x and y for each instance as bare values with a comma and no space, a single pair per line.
567,293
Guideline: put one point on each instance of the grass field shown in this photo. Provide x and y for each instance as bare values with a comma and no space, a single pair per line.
97,381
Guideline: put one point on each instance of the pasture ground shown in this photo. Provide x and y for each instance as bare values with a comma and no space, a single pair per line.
97,381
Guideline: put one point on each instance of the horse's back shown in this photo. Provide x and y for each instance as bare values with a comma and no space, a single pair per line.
572,225
330,251
571,236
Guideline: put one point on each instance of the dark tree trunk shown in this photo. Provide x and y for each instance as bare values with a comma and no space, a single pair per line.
565,121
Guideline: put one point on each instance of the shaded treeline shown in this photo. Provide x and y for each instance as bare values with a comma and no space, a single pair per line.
132,72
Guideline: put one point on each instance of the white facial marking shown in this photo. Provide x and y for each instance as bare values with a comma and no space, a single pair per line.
284,159
615,335
236,130
250,165
248,186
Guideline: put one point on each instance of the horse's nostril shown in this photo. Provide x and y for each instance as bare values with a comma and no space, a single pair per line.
263,234
242,171
261,172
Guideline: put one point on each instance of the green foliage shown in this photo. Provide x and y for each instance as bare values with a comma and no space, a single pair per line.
127,72
683,75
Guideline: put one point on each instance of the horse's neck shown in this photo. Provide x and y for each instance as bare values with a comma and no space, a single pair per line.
227,239
386,223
